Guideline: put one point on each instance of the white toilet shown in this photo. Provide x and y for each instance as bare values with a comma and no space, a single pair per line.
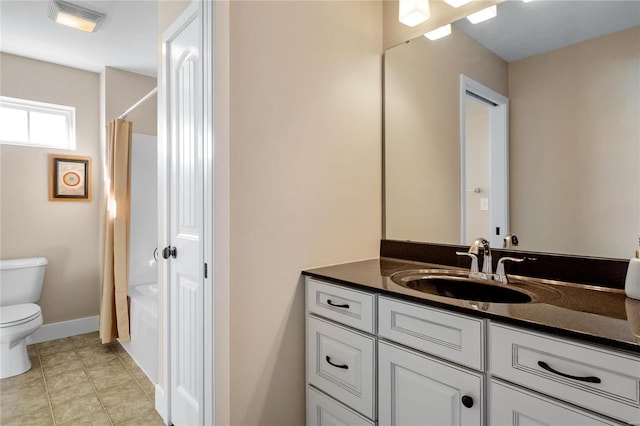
20,287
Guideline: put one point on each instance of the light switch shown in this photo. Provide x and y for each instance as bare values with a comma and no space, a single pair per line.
484,203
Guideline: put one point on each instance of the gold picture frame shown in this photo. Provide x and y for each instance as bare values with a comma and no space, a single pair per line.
70,178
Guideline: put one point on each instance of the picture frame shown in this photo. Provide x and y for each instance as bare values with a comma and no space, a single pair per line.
70,178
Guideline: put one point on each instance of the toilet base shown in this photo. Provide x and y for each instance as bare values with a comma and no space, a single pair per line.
15,360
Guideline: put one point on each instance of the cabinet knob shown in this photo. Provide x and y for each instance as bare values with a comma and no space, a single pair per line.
467,401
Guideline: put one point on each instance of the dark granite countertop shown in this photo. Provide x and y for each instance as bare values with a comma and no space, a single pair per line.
593,314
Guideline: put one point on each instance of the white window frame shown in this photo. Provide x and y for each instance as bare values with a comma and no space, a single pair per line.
69,113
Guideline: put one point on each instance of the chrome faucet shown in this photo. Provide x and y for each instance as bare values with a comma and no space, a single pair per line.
487,270
501,275
486,252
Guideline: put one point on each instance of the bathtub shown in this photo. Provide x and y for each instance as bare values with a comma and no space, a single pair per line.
143,346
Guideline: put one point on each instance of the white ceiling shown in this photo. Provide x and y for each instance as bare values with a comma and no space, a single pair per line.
525,29
126,40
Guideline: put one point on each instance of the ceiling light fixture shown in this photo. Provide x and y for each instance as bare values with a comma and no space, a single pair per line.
74,16
483,15
456,3
443,31
413,12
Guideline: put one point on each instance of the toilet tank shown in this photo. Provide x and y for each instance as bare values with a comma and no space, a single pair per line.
21,280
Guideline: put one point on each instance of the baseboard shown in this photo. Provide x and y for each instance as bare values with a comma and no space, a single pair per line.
59,330
161,404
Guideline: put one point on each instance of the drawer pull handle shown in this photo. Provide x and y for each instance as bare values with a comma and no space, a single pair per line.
590,379
344,366
337,306
467,401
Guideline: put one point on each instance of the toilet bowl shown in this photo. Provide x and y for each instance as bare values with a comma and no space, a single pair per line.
20,286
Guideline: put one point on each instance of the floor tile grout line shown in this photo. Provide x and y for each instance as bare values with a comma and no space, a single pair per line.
46,388
95,388
132,375
84,350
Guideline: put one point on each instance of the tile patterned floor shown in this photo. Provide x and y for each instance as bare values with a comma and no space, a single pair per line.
78,381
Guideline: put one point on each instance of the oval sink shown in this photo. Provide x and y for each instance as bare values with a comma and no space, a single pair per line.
456,284
468,290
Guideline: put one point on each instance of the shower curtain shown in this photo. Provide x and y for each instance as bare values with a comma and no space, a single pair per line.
114,310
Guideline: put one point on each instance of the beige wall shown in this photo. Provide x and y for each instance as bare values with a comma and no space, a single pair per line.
441,14
422,135
305,181
66,233
122,90
575,178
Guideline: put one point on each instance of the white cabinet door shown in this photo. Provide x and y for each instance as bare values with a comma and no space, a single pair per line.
415,389
324,411
511,405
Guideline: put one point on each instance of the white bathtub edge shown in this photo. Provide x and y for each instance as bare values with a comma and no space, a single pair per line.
59,330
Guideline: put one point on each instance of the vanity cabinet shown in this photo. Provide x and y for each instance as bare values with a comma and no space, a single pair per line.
325,411
378,358
341,355
588,376
415,389
341,362
448,335
513,405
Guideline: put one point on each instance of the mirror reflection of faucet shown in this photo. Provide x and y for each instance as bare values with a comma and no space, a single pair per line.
510,240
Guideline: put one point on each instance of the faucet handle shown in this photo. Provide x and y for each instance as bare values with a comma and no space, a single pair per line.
474,271
501,275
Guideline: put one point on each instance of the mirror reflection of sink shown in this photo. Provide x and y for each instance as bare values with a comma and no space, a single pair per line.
456,284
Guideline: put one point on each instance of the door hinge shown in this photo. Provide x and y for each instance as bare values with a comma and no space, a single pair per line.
206,270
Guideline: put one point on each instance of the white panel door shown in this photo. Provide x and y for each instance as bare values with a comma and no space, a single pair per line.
418,390
186,270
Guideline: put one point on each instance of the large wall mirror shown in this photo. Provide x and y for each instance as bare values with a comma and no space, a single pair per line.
571,73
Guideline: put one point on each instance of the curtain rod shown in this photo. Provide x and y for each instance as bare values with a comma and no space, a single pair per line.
134,106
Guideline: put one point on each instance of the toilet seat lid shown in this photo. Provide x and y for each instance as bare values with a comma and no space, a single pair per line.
17,314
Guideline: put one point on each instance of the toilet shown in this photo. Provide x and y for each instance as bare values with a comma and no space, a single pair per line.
20,287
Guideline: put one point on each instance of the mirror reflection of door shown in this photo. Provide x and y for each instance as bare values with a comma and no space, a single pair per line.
478,184
484,160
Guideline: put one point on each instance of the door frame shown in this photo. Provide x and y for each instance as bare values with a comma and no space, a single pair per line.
498,160
205,10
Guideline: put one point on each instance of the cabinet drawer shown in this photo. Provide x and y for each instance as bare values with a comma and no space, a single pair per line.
595,378
511,405
341,362
350,307
448,335
324,411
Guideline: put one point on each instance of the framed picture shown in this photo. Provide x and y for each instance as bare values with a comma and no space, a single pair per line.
70,178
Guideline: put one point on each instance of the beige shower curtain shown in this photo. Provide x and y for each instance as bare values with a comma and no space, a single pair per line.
114,310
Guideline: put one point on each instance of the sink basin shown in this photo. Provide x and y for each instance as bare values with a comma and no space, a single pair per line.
456,284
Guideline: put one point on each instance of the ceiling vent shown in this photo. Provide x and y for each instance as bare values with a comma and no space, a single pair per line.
74,16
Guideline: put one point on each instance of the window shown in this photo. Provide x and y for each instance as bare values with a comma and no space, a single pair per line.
33,123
